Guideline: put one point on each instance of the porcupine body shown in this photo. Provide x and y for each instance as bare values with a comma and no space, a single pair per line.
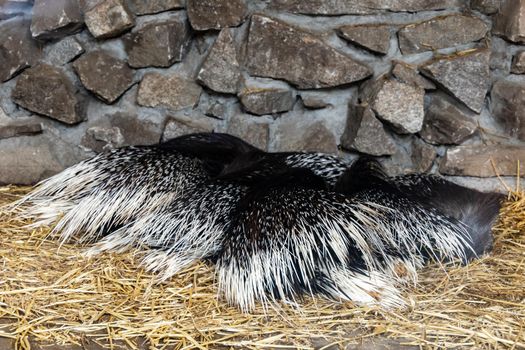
192,226
162,196
97,196
189,229
291,235
476,210
278,225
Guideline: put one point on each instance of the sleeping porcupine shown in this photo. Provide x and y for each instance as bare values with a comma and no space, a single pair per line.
276,225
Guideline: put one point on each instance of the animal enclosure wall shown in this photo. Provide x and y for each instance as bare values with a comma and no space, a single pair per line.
423,85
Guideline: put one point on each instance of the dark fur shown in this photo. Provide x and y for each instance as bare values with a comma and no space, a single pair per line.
476,210
216,150
290,197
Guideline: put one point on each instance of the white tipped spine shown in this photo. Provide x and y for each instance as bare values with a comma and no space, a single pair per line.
186,230
110,190
245,282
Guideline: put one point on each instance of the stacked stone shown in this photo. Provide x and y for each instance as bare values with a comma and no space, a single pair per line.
423,85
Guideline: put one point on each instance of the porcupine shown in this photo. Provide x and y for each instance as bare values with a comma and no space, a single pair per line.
191,227
357,228
360,241
141,195
100,194
366,277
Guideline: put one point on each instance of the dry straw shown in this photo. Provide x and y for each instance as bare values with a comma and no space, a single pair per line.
53,294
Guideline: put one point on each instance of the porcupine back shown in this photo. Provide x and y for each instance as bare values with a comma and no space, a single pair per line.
472,209
476,210
251,166
97,196
290,235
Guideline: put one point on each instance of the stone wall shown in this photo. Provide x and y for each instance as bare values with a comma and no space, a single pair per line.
425,85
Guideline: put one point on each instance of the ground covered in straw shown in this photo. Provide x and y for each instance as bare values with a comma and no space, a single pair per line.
53,295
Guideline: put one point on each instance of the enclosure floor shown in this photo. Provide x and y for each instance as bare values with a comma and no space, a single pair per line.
52,294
